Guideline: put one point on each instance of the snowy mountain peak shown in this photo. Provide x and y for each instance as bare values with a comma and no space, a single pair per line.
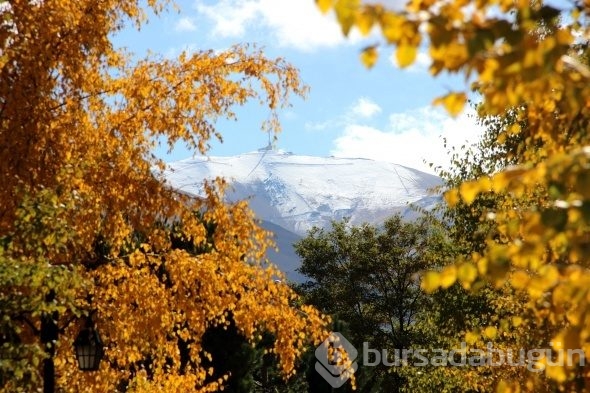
299,192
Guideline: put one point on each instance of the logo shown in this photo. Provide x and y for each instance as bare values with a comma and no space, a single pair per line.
330,364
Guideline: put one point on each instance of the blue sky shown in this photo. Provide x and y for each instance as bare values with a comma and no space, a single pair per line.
384,113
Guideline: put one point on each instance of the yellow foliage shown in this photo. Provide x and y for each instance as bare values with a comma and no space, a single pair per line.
469,191
471,337
430,281
453,102
346,11
325,5
519,279
82,193
448,276
406,54
530,60
452,197
516,321
365,20
490,332
369,56
466,274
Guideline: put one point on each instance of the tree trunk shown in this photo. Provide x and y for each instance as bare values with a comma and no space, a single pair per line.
49,335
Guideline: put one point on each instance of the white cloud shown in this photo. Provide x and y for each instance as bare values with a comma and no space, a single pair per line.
229,17
366,108
185,24
410,138
292,23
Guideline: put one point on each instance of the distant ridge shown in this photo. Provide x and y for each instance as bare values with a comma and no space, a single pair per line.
297,192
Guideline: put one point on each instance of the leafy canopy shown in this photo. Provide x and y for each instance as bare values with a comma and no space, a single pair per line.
528,59
368,277
86,216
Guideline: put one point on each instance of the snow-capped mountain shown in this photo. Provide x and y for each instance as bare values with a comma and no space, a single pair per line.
299,192
295,193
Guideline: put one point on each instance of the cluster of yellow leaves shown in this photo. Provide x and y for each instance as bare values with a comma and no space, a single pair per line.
548,249
78,124
511,66
531,58
541,251
142,316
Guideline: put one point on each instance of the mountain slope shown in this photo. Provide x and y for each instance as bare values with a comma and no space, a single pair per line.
286,258
299,192
292,193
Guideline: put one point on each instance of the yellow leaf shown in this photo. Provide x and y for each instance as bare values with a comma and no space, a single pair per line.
431,282
514,129
364,22
369,56
564,37
452,197
557,373
503,387
466,273
346,13
325,5
471,337
489,70
482,266
453,102
519,279
406,54
448,276
501,181
469,191
391,25
516,321
549,274
490,332
49,240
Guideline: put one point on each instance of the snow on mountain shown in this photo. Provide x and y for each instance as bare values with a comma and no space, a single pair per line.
299,192
295,193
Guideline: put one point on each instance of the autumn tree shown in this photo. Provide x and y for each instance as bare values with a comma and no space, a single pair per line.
457,312
528,59
86,215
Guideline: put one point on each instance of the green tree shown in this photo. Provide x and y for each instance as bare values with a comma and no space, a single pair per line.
368,277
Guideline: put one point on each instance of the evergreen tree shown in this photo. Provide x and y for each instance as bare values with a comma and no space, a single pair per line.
368,277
